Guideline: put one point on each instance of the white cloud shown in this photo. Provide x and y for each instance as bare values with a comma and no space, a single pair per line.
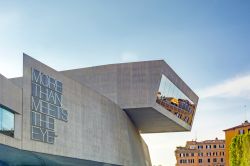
129,57
235,87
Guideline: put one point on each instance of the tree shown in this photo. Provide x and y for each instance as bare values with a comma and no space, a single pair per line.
240,150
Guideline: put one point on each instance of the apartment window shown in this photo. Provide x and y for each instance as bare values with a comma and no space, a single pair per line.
221,146
192,154
222,160
186,119
200,160
241,131
6,121
215,160
200,154
192,147
200,147
208,160
214,146
182,154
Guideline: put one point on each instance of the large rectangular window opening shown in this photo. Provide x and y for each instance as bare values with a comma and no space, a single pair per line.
174,100
6,121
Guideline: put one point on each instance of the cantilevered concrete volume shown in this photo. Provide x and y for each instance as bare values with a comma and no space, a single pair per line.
90,116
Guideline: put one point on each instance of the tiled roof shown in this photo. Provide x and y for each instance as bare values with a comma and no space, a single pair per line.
245,124
205,142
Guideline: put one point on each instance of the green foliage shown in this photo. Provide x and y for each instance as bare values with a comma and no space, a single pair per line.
240,150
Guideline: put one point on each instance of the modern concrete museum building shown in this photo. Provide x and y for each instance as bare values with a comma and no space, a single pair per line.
90,116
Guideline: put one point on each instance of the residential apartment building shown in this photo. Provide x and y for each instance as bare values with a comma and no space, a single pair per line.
204,153
231,133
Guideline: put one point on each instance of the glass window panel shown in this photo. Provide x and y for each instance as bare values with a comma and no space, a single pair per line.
33,118
43,117
174,100
36,136
53,112
33,89
51,133
51,96
43,124
53,107
36,130
6,122
52,84
35,104
35,75
64,115
58,98
51,140
1,119
51,126
51,120
43,93
38,119
44,107
58,86
51,137
45,79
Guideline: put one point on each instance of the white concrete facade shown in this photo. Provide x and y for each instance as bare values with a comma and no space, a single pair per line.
99,126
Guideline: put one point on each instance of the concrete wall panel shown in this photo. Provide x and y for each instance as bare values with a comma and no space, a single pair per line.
97,128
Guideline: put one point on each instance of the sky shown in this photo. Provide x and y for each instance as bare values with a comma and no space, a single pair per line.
206,42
